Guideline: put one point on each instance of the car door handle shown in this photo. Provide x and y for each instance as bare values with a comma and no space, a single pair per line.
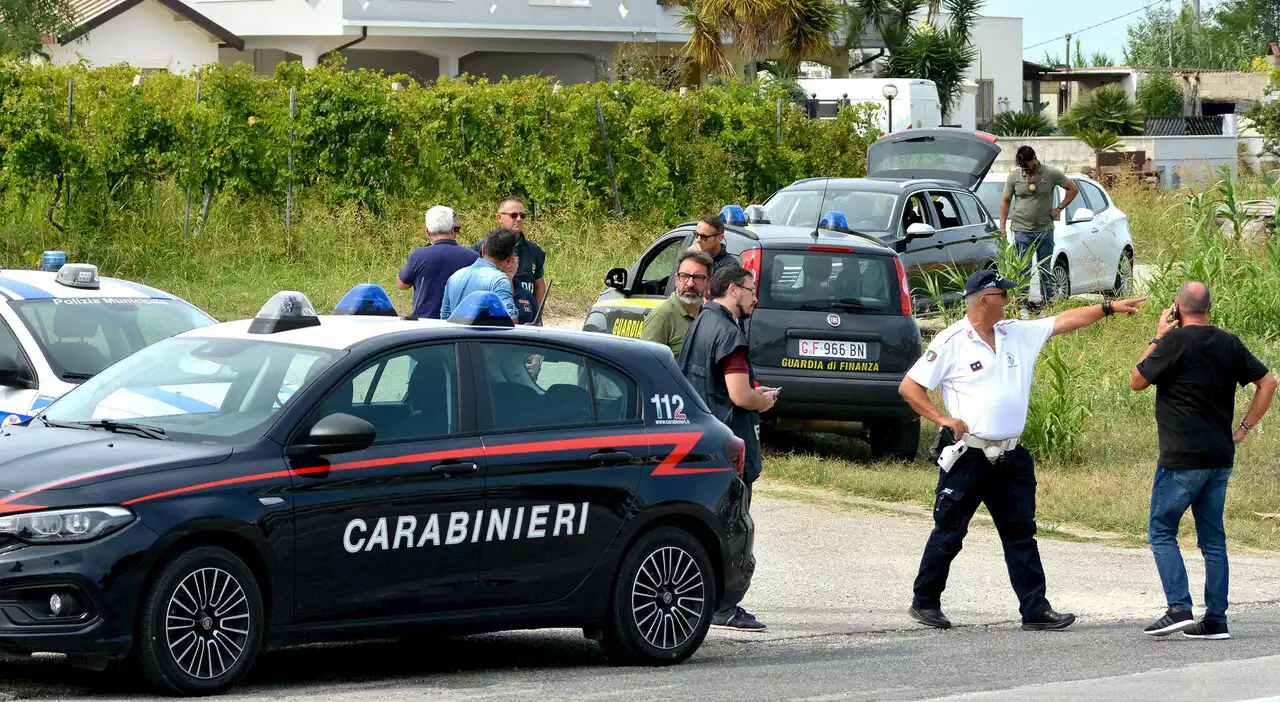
611,457
452,466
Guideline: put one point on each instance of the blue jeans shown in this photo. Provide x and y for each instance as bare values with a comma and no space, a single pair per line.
1205,492
1042,242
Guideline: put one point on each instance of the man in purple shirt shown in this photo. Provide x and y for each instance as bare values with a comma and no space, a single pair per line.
430,266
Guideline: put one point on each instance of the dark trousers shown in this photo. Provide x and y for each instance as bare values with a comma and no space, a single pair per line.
1008,488
728,609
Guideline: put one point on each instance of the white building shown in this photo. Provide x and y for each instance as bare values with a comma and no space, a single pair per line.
994,83
150,34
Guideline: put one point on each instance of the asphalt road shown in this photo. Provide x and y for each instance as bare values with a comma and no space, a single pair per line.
1095,660
833,585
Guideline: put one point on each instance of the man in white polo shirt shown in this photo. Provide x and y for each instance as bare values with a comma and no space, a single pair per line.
985,364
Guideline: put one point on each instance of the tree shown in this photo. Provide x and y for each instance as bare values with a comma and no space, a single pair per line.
933,50
1106,108
1078,61
1159,95
1100,59
24,22
1265,117
1252,23
1163,38
1100,141
792,29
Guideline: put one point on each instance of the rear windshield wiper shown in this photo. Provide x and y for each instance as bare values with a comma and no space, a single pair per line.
146,430
850,302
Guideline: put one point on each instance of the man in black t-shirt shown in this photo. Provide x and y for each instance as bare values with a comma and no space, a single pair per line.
1195,368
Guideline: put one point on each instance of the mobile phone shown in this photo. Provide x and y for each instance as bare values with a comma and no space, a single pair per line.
1174,316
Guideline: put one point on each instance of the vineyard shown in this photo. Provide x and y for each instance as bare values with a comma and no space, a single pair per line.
374,140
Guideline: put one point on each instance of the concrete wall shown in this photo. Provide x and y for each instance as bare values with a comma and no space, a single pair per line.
1183,160
415,63
567,68
286,18
147,36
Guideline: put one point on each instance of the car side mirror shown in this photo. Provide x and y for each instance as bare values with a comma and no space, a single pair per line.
336,433
920,230
616,278
15,374
1084,214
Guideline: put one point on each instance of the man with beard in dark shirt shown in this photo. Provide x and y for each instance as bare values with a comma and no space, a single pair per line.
1195,367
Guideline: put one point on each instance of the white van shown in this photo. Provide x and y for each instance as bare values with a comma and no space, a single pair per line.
916,106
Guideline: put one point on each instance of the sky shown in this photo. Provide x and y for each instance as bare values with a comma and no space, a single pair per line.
1043,21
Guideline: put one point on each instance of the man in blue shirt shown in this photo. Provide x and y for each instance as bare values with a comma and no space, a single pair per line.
492,272
530,283
430,266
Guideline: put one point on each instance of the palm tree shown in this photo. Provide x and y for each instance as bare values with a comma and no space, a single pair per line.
920,48
793,29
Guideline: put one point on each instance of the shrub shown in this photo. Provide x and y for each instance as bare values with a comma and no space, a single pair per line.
1159,95
1107,108
1100,141
1022,124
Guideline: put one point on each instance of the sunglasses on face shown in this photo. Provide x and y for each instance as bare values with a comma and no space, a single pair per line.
705,237
514,215
686,277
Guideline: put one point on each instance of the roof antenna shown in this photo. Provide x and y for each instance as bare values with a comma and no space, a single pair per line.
823,203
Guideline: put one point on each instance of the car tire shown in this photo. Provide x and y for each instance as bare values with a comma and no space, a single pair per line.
1061,287
1124,282
662,602
217,594
895,441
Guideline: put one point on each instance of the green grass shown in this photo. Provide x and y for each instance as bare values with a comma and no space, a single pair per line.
245,255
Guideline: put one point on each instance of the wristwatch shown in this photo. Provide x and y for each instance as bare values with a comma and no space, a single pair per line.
1245,426
1154,340
1107,309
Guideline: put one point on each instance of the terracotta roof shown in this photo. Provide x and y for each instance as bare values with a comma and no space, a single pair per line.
91,14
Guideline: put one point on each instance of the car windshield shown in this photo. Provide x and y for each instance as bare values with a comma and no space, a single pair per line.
865,211
82,336
991,192
827,281
221,390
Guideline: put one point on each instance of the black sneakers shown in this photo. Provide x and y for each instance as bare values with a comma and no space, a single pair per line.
738,619
1205,629
1173,620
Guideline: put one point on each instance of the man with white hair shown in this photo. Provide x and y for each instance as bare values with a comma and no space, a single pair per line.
430,266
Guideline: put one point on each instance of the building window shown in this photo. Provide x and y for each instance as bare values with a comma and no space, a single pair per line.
986,100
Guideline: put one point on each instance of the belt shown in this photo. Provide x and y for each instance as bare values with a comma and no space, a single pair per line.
993,449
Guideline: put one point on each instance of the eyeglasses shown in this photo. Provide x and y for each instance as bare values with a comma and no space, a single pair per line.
704,237
743,287
685,277
514,215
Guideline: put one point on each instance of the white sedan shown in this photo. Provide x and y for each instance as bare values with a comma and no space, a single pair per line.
1092,248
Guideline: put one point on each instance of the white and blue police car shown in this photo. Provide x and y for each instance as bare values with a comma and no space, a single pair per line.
63,324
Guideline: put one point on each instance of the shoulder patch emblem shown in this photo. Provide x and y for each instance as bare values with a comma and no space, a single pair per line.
975,366
931,356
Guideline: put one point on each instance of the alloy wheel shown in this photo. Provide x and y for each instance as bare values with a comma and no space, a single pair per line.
668,597
207,623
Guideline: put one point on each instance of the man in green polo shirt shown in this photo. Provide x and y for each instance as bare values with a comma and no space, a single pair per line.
1030,189
669,322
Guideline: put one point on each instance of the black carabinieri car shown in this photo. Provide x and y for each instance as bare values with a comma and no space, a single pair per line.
299,478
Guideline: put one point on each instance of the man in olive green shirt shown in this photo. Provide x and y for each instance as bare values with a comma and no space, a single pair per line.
1033,184
669,322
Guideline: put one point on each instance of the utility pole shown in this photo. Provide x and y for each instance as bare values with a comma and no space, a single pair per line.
1068,54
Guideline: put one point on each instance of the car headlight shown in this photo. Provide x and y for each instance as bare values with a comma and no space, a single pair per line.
65,526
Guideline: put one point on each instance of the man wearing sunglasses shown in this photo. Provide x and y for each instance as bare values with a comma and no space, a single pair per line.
530,281
985,365
429,267
709,237
714,359
668,323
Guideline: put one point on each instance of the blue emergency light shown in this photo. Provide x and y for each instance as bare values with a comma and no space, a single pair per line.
481,309
834,219
733,214
53,260
366,299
